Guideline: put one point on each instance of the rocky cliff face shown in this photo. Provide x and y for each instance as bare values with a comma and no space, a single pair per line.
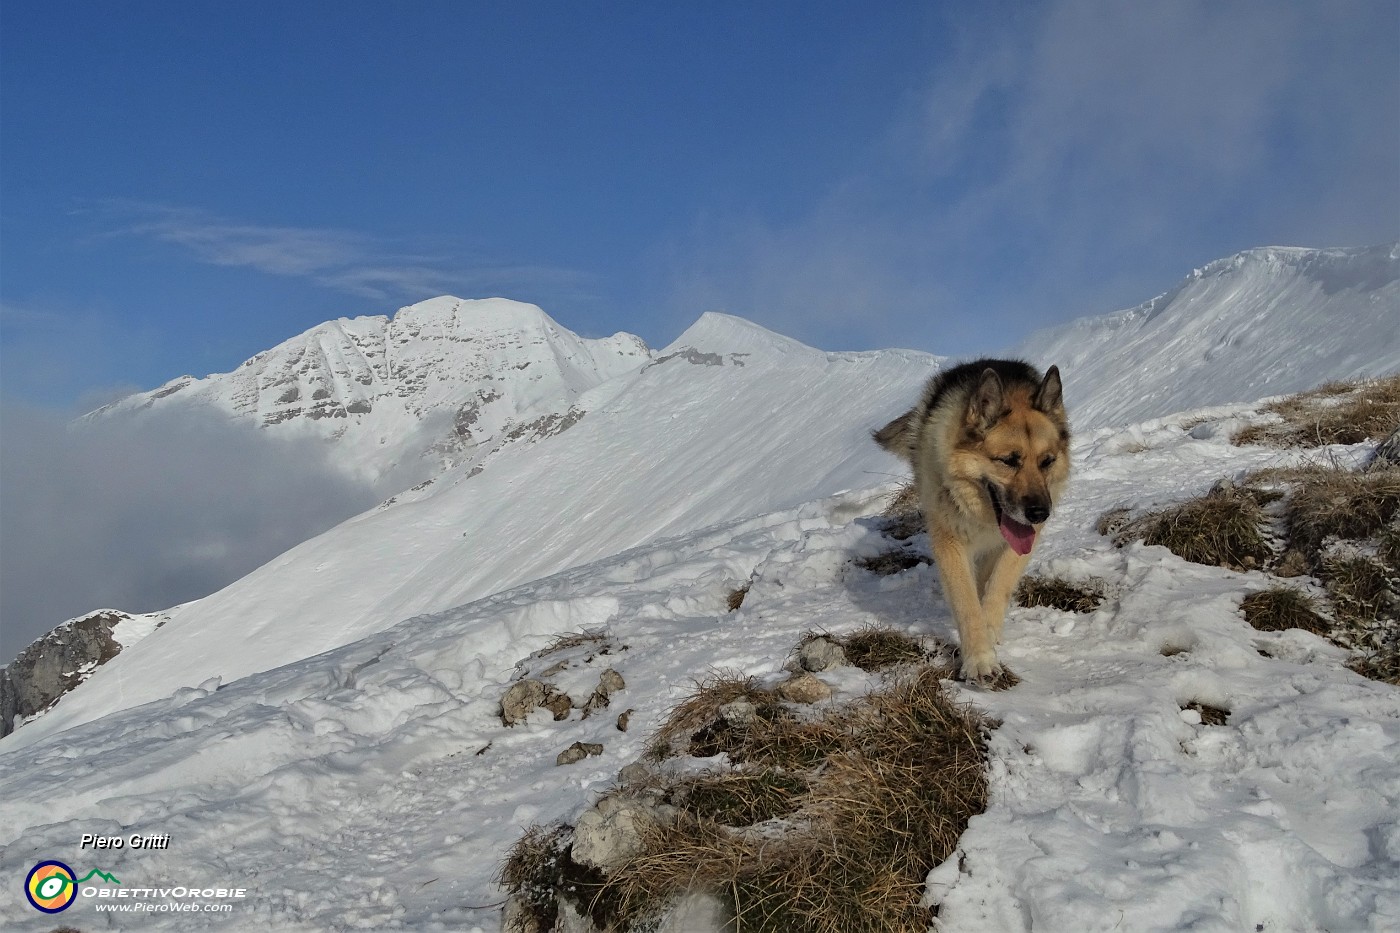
440,383
56,663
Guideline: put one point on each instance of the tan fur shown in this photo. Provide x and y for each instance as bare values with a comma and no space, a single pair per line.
984,429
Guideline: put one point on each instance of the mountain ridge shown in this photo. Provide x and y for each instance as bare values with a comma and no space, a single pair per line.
731,420
1266,321
429,387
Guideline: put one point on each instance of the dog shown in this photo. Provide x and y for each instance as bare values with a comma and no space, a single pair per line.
989,445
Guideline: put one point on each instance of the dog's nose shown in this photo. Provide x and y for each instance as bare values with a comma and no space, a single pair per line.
1035,514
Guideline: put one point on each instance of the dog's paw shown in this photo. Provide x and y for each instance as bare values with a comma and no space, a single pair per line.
982,669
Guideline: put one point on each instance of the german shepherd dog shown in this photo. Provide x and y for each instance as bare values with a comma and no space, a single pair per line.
989,444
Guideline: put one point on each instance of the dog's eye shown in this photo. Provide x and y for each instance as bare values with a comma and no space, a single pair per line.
1011,460
1046,461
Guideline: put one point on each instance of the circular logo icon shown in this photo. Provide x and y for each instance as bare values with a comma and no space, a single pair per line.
50,887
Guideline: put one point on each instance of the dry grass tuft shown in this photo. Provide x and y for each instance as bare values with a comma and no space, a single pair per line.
882,808
1283,607
876,647
1334,413
1058,593
1329,502
1343,526
888,563
702,709
1379,665
1223,528
1210,715
570,640
739,798
767,733
904,516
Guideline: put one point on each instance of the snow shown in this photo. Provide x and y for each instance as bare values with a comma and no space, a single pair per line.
1264,322
326,732
374,786
729,421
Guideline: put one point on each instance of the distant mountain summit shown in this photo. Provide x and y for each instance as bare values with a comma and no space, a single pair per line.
442,382
1265,321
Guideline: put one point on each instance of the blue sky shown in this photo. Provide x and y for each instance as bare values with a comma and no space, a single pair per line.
185,184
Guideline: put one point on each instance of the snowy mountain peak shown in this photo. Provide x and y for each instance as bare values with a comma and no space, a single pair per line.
1262,322
447,315
717,333
432,386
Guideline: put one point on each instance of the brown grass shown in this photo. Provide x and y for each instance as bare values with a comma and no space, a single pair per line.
1223,528
1057,593
887,563
1329,502
1283,607
1343,526
886,805
570,640
1210,715
904,516
1334,413
876,647
1379,665
739,798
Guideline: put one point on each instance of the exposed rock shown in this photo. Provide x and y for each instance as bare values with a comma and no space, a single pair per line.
635,773
738,712
804,688
557,703
569,920
609,683
1293,563
56,663
821,654
611,832
524,696
519,917
521,697
698,910
577,752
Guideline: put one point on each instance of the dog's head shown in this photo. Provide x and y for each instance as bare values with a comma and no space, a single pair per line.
1020,434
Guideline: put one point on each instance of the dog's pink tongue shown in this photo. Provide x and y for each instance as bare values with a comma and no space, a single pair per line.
1020,537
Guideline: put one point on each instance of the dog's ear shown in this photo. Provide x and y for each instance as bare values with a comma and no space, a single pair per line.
1050,396
986,404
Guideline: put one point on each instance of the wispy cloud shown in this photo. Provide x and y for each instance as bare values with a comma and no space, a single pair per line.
1069,158
143,514
342,260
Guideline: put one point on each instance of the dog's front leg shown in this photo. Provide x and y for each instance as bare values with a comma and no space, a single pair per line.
979,658
1006,570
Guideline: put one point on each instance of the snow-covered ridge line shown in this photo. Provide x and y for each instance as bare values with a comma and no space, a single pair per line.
1266,321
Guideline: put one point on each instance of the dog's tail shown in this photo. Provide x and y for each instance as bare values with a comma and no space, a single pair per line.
898,436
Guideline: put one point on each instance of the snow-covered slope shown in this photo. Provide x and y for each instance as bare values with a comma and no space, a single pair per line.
729,421
374,786
444,381
1264,322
